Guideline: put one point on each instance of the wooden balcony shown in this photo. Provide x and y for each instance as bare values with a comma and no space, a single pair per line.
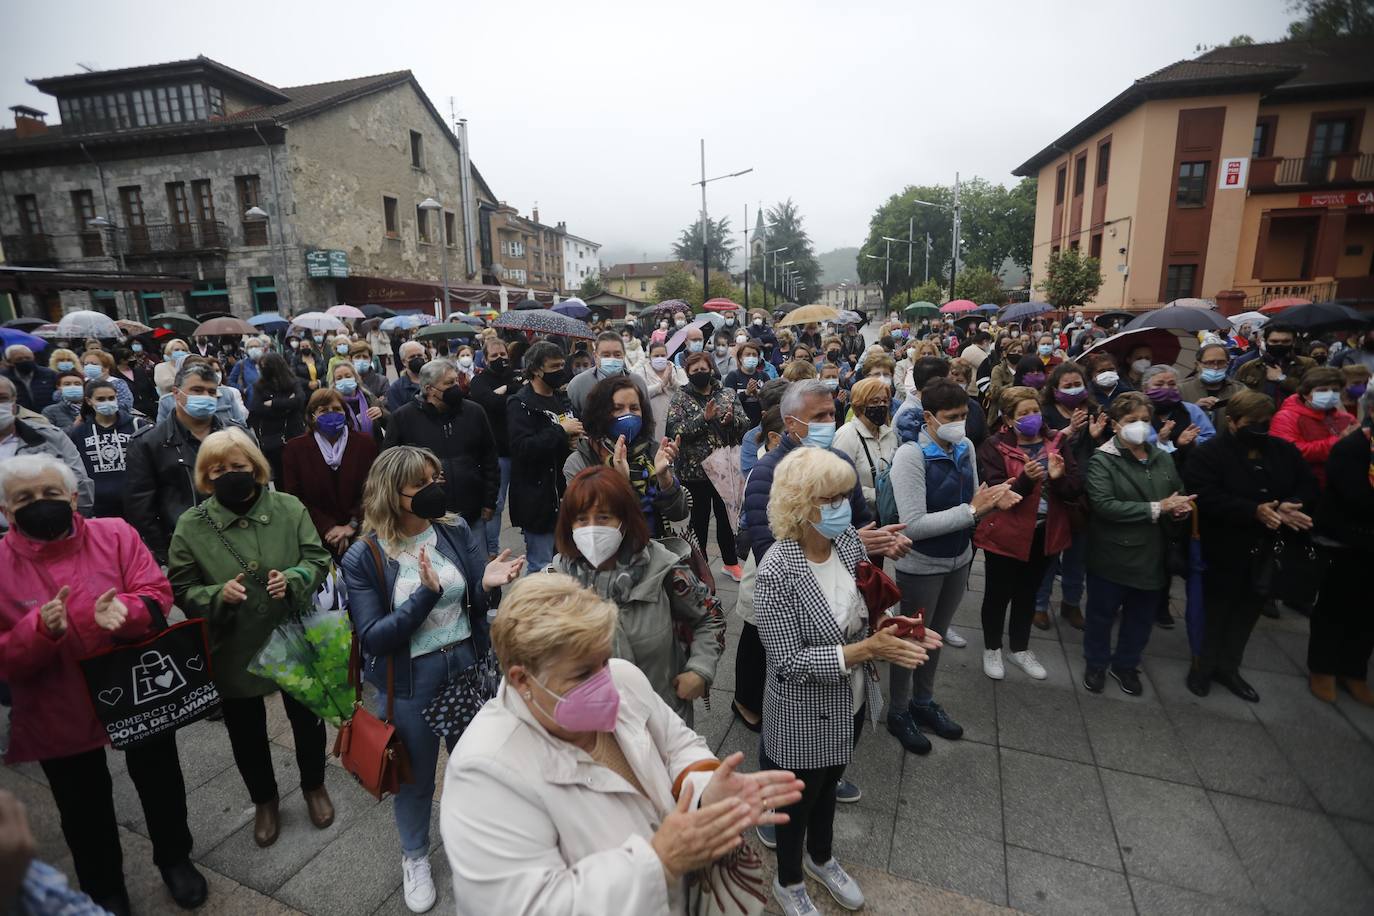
1343,170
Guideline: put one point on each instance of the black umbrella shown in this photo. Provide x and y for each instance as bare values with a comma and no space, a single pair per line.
26,324
372,310
1106,318
1319,316
526,305
544,321
1180,318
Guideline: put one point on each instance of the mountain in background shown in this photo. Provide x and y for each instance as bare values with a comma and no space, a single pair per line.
628,254
840,264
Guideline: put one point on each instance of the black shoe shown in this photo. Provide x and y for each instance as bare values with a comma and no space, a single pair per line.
906,732
935,719
1198,683
186,885
755,727
1094,679
118,904
1233,682
1270,609
1129,679
1164,620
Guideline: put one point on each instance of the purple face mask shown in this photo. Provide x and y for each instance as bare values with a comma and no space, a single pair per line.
1356,391
1030,424
591,706
1033,379
1164,395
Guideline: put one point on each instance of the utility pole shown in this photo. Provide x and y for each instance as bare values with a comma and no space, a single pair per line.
705,227
954,257
748,260
927,279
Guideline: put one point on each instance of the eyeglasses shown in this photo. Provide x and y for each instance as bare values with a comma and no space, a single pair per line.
832,502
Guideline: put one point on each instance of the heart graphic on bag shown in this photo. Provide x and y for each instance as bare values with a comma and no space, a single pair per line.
195,663
111,696
164,680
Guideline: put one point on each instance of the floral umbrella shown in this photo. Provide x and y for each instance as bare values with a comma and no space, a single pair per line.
544,321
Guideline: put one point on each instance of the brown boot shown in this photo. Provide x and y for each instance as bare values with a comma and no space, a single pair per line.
266,824
1073,614
1323,687
320,807
1041,620
1358,689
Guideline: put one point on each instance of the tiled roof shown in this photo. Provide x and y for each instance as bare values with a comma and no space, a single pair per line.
308,99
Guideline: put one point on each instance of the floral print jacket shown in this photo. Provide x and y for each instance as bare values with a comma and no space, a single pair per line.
700,437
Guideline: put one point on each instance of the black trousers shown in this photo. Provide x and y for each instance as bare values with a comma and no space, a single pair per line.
1342,624
1232,611
1014,582
751,669
812,820
245,718
704,499
84,793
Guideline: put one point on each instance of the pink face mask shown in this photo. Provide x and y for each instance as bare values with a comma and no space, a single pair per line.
591,706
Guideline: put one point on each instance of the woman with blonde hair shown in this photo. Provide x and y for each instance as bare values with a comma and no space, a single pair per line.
62,360
418,596
869,437
577,789
246,559
165,373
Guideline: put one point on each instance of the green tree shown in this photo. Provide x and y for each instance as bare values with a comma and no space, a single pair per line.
1070,279
789,233
981,285
591,286
930,291
1331,18
721,253
678,284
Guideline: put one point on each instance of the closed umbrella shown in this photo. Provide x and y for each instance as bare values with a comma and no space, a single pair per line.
955,306
1020,311
346,311
1180,318
87,323
1195,611
544,321
217,326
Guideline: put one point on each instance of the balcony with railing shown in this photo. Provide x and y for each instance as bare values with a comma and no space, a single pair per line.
162,238
1338,170
1258,295
29,249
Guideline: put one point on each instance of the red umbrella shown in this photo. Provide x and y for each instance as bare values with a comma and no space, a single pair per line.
721,305
1278,305
958,305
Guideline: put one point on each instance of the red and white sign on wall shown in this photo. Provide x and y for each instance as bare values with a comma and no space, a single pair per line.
1337,199
1232,174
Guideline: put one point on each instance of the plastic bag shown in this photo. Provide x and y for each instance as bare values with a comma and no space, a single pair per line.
307,656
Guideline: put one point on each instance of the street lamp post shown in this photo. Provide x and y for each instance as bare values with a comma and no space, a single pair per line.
256,215
774,252
705,225
954,256
430,205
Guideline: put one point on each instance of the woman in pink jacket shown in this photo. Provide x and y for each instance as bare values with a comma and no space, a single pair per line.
72,587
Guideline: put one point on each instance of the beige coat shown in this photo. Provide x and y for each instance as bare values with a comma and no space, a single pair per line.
534,827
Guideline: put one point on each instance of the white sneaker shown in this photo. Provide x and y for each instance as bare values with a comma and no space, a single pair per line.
794,900
418,884
954,638
843,888
992,664
1027,662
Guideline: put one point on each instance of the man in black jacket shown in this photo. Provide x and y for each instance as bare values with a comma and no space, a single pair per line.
542,428
443,420
33,384
491,388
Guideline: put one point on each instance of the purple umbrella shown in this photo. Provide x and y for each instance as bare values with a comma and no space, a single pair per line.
573,308
1023,310
13,336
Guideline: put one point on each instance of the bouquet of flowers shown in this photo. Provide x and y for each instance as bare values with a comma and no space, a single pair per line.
307,655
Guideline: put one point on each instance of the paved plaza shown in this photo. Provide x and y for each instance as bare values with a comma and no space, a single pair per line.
1056,801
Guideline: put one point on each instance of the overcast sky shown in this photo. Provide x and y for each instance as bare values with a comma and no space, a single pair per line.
595,109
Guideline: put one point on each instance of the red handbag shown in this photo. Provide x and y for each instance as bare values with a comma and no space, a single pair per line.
878,590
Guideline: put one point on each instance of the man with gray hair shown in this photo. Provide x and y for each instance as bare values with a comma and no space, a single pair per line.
38,437
407,385
443,420
34,384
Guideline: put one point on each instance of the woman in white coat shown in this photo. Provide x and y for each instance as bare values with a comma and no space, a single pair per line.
662,378
552,796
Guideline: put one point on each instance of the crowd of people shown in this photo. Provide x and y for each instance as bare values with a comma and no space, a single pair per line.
233,479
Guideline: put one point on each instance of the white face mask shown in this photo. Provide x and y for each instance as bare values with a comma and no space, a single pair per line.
953,433
465,362
659,363
597,543
1140,365
1106,380
1136,432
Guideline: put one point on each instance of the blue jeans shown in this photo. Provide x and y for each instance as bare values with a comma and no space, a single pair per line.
415,800
1138,608
538,551
1069,566
494,526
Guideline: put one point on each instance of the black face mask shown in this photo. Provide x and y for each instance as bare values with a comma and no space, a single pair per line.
701,380
1280,351
236,489
453,398
876,414
1253,436
833,356
430,501
556,380
415,364
498,366
24,368
45,519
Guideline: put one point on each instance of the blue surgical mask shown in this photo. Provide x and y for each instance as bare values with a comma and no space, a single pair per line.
612,366
1326,400
93,371
107,408
201,406
832,383
1212,376
136,347
750,363
72,392
834,521
694,346
819,435
65,365
1045,349
341,349
177,357
628,426
362,365
346,386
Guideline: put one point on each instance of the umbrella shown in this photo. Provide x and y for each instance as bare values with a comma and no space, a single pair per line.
809,314
179,322
544,321
485,312
401,322
988,308
1106,318
316,321
86,323
848,316
1251,318
11,337
1020,311
921,309
1170,348
527,305
26,324
1180,318
1195,611
47,330
446,330
268,320
721,304
573,308
372,310
1278,305
679,338
723,470
1193,303
955,306
132,328
1320,316
345,311
218,326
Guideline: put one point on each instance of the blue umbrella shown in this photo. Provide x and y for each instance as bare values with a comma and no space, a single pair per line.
269,321
573,308
1020,311
13,336
402,322
987,308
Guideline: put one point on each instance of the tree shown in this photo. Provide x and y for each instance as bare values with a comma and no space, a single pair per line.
591,286
721,253
677,284
1071,279
1331,18
980,285
788,233
930,291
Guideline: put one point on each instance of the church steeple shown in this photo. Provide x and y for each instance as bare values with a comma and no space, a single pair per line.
758,244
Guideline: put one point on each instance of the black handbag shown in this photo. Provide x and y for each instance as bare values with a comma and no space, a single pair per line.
458,701
1289,567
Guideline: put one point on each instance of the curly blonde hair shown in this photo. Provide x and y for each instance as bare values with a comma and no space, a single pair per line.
804,476
547,615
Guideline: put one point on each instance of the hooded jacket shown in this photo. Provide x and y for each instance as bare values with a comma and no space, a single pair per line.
462,438
1313,431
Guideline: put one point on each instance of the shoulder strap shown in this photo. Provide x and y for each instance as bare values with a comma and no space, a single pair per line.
205,517
356,656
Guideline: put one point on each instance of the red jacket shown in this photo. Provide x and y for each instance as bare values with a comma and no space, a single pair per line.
52,715
1313,431
332,497
1009,532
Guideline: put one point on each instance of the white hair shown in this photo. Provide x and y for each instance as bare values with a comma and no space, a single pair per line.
14,350
25,467
798,393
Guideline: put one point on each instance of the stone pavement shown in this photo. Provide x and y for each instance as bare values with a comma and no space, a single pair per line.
1056,801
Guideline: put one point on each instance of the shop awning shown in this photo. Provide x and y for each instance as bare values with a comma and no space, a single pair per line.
47,280
421,294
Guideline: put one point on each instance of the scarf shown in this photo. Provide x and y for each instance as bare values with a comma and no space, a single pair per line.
333,452
614,584
356,407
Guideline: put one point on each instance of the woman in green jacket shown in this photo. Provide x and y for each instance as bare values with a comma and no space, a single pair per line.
1136,501
245,560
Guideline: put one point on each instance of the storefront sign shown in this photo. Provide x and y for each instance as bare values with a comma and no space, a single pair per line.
1337,199
326,263
1232,174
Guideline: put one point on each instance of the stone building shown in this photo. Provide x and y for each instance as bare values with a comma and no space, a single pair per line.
268,198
